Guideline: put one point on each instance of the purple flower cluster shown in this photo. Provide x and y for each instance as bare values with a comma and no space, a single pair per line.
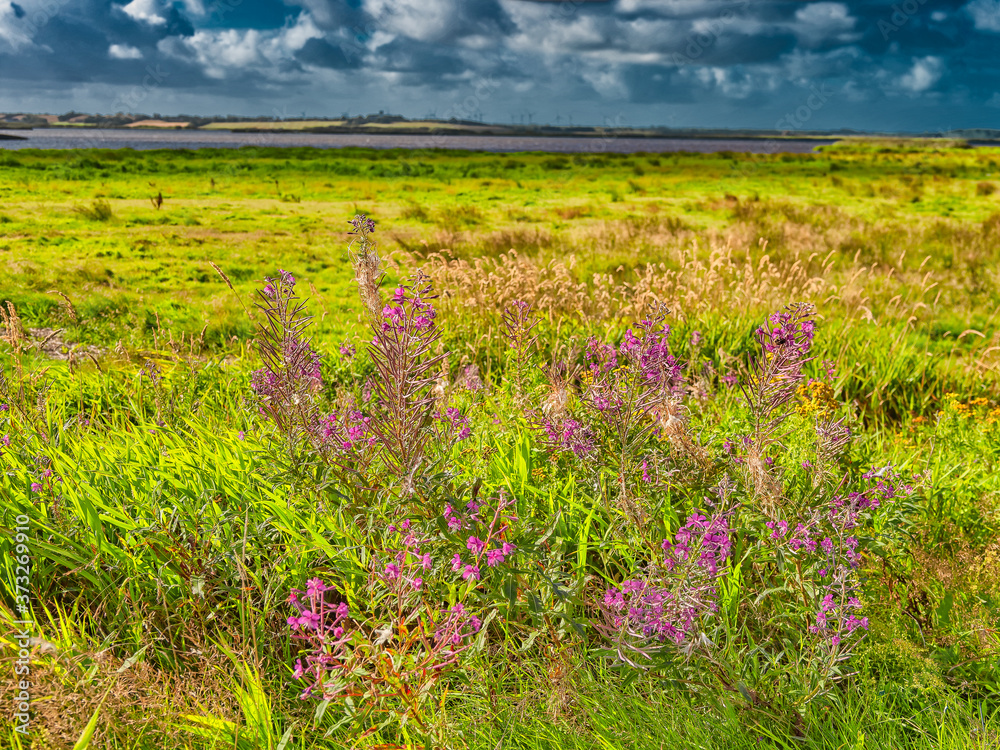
709,538
362,225
657,365
302,372
669,603
788,334
407,313
281,286
344,655
457,625
409,563
570,435
488,544
836,619
348,432
291,371
472,379
324,627
827,544
347,350
456,424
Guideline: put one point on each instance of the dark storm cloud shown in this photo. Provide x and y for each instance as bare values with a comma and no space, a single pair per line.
748,62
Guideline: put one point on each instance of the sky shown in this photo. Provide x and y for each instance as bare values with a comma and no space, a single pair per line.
912,66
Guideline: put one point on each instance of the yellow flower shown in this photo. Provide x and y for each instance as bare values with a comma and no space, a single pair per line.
816,398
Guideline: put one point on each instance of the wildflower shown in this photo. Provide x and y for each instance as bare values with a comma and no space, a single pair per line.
392,571
36,487
315,588
347,350
456,563
695,338
472,380
475,545
362,224
470,571
570,435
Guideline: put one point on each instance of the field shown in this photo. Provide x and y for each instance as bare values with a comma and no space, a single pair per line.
598,486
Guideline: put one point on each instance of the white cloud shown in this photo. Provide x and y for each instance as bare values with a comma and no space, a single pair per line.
926,71
10,35
985,14
124,52
146,11
219,51
194,7
426,20
817,22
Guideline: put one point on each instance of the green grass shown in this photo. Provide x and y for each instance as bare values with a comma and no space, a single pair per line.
162,561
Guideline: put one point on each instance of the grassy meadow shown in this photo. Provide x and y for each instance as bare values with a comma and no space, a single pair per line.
175,499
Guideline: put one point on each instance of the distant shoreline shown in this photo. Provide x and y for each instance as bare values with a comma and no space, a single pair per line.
435,129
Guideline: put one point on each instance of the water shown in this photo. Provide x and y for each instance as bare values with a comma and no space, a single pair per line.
62,138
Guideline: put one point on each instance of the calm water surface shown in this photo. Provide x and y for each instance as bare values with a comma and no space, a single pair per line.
53,138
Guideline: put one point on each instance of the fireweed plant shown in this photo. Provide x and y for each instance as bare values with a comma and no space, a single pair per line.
758,594
755,597
434,546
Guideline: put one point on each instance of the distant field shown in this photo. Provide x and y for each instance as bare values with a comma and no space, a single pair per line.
897,216
177,463
284,125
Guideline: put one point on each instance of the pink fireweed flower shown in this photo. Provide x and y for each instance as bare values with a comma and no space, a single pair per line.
494,557
36,487
475,545
425,562
470,571
852,623
315,588
392,571
456,563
